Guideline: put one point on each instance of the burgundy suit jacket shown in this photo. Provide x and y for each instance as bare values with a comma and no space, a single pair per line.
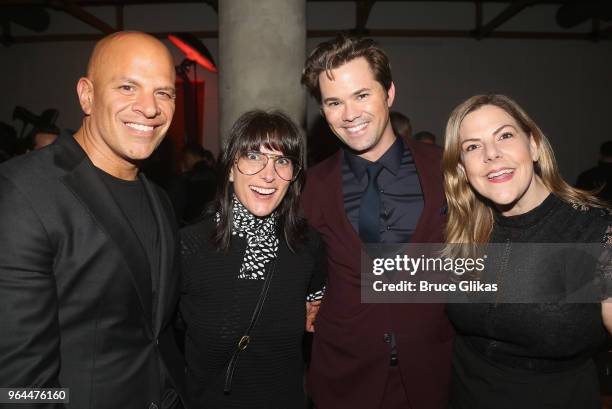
350,359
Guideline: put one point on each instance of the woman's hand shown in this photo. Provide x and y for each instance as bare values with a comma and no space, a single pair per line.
312,308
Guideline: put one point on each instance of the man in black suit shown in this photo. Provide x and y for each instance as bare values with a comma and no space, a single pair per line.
87,267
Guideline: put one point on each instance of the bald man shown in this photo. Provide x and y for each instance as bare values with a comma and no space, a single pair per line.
87,246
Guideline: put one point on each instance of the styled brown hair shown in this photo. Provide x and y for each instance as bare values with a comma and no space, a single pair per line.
339,51
470,216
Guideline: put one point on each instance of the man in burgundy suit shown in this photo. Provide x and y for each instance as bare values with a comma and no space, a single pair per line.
384,189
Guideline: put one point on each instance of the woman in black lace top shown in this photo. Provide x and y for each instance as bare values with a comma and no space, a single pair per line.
535,350
239,355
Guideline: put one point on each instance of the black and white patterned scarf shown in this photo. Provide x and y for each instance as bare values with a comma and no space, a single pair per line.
262,241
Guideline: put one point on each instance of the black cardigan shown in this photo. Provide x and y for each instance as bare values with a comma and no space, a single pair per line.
216,307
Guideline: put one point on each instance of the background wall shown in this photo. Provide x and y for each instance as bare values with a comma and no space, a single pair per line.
44,75
564,85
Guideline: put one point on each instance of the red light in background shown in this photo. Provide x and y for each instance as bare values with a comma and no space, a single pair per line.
192,54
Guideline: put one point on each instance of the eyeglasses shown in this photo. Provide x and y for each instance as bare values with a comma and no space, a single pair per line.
252,162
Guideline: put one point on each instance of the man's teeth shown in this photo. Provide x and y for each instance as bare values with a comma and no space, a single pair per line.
357,128
139,127
501,172
262,190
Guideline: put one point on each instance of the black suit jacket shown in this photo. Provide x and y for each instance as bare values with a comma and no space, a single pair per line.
75,286
350,357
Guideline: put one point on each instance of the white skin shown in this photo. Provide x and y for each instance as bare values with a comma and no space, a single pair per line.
356,107
261,194
497,158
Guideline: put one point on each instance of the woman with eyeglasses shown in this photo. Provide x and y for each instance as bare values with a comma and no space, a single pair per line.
251,269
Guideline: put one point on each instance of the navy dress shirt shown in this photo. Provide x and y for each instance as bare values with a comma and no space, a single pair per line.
400,191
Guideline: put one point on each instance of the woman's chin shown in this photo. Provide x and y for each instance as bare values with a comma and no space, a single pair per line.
505,204
261,209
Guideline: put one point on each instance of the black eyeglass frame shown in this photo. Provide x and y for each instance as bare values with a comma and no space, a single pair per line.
297,168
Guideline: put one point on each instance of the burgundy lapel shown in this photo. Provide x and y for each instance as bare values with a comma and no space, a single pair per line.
429,178
334,212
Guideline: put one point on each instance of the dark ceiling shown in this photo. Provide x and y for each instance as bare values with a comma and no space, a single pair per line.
33,15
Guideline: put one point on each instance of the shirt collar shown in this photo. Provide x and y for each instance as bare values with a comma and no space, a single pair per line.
390,160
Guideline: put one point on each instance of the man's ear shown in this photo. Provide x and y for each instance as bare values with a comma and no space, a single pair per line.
85,94
391,95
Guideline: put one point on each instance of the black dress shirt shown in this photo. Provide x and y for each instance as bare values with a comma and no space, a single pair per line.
400,191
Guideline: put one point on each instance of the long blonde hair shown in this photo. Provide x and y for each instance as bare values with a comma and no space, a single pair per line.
470,216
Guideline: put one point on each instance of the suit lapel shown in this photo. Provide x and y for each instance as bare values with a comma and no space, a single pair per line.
84,181
427,175
337,212
166,256
425,172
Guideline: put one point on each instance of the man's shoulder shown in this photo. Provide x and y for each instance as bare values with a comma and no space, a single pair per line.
426,151
64,154
319,186
27,168
319,172
325,166
38,173
27,182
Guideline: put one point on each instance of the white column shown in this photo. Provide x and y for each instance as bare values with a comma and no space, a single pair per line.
262,47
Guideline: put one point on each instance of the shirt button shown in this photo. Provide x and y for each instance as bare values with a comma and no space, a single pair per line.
387,338
382,190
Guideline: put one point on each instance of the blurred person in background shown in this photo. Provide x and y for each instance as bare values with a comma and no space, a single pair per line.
43,136
599,178
425,137
199,178
401,124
